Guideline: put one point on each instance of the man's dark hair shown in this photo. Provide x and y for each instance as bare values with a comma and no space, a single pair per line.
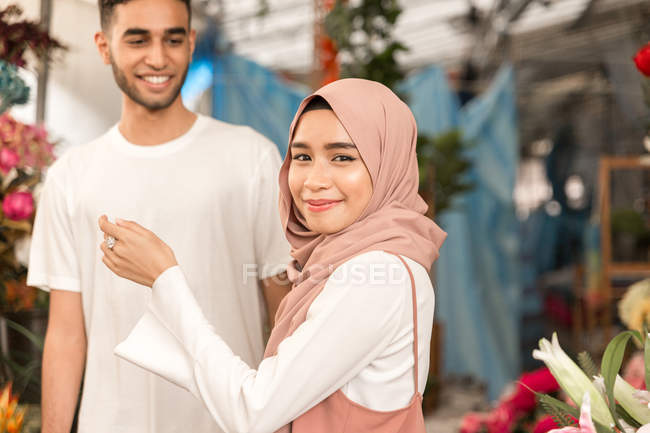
107,7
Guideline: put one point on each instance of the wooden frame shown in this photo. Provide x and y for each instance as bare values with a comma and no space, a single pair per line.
610,268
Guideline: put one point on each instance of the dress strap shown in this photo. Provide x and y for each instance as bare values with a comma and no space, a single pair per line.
415,320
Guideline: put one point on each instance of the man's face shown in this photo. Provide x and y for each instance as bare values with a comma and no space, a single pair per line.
149,46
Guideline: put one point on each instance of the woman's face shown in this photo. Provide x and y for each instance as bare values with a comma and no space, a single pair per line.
329,182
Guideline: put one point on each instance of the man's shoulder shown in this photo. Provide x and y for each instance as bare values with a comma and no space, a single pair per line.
77,157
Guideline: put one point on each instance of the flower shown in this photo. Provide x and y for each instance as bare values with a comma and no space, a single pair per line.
540,380
642,60
18,206
8,159
473,422
634,371
586,424
643,396
572,379
634,309
501,419
19,294
11,417
545,425
21,249
625,395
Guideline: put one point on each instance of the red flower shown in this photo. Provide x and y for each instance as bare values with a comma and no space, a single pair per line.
545,425
540,380
501,419
18,206
642,60
473,422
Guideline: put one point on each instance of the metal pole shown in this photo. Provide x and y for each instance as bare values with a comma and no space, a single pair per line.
43,70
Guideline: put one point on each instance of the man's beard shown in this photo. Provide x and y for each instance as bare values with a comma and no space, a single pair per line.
134,95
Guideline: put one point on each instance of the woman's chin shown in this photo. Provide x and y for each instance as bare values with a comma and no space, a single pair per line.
325,227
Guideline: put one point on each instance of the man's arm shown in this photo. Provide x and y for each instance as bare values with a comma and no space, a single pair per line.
64,358
275,288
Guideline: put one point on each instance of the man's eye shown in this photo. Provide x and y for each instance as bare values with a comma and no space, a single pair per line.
136,42
175,41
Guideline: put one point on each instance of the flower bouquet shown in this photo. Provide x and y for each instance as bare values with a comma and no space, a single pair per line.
517,410
24,151
607,402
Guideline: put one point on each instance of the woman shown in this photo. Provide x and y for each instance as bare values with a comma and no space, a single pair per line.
350,348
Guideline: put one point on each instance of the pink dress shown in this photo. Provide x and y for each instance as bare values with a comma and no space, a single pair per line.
339,414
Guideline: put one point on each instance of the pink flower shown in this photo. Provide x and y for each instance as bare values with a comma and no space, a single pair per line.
545,425
18,206
634,371
473,422
586,424
8,159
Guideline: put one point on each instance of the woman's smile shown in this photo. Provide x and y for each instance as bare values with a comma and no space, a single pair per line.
321,205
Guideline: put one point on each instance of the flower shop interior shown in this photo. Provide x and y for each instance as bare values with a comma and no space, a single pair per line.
534,145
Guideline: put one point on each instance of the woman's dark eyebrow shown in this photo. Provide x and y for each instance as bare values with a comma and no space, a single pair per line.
299,145
340,145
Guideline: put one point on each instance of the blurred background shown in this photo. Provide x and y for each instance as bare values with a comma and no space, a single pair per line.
534,156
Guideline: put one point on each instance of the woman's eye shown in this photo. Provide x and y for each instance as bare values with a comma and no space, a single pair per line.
301,157
343,158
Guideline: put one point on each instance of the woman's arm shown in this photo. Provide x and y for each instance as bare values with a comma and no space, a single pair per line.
347,326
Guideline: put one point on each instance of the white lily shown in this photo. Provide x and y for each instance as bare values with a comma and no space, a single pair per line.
643,396
572,379
626,395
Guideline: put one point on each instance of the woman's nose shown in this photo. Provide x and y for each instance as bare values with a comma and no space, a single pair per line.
318,178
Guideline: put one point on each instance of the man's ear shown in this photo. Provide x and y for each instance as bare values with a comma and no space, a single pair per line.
102,42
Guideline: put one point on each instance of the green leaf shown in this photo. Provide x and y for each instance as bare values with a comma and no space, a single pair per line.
611,364
587,364
559,413
549,403
37,340
622,413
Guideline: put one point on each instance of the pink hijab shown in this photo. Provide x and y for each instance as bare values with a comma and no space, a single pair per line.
384,131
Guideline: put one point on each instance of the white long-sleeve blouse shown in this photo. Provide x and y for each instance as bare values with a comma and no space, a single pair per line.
357,337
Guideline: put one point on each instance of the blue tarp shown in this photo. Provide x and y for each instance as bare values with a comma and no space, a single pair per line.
477,277
243,92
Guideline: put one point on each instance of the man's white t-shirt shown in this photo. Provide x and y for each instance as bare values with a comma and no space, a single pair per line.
211,195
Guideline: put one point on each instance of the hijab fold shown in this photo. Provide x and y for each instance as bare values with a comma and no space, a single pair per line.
385,133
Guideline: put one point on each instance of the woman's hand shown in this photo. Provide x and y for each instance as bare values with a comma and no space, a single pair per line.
138,254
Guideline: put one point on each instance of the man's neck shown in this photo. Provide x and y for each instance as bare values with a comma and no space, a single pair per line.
148,128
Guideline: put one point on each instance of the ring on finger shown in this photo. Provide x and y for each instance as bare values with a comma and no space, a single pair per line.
110,242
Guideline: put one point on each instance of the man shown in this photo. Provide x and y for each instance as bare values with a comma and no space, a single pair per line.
209,189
